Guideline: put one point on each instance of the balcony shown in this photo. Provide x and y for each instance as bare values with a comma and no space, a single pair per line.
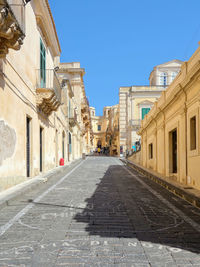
86,119
135,124
84,108
73,118
12,25
48,90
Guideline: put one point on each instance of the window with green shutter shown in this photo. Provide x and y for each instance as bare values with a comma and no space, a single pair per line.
144,112
42,65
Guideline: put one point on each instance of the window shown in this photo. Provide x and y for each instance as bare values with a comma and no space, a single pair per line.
63,145
193,133
42,65
99,127
70,143
144,112
150,151
163,79
173,75
173,151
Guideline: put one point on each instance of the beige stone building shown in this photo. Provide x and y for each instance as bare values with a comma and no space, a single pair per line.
136,101
80,130
106,129
35,117
170,133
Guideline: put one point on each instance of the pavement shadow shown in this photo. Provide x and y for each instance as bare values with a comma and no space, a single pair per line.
122,207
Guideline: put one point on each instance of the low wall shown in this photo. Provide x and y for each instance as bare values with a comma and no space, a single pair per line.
136,157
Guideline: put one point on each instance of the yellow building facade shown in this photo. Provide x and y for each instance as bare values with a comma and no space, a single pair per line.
170,133
136,101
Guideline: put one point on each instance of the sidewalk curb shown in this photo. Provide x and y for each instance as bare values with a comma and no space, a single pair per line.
24,187
192,196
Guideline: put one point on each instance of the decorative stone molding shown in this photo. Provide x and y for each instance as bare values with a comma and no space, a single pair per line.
11,33
47,100
41,25
48,92
76,82
85,118
84,109
73,119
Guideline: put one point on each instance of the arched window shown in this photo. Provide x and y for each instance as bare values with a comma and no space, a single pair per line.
163,78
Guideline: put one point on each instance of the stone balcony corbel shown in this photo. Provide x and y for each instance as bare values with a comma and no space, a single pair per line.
3,14
48,92
73,121
11,26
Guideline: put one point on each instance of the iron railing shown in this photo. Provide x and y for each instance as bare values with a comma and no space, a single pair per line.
47,78
73,115
135,122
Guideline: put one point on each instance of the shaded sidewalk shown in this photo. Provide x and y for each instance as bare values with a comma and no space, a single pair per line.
14,192
185,192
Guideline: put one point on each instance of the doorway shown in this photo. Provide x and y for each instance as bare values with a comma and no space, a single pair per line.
41,149
28,146
99,144
63,145
56,147
173,151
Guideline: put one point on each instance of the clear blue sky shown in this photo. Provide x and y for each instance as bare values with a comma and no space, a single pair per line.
118,42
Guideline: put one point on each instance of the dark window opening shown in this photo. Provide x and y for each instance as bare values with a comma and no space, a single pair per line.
41,149
193,133
28,144
150,151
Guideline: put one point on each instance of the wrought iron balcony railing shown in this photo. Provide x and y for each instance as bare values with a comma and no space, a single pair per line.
72,118
135,123
48,89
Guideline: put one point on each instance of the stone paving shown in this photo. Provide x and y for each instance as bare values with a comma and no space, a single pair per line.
99,213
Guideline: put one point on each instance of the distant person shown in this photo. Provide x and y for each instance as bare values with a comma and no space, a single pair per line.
99,150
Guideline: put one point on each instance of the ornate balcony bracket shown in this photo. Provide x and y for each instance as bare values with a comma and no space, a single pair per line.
84,109
11,32
72,122
85,119
47,100
73,119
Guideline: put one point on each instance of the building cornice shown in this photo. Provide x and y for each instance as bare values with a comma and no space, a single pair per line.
46,24
50,13
189,74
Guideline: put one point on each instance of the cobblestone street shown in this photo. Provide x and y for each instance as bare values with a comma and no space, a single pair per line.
99,213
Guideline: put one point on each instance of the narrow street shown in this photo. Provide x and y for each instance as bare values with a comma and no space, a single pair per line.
99,213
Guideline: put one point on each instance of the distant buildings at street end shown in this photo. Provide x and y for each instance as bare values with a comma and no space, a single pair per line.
106,130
